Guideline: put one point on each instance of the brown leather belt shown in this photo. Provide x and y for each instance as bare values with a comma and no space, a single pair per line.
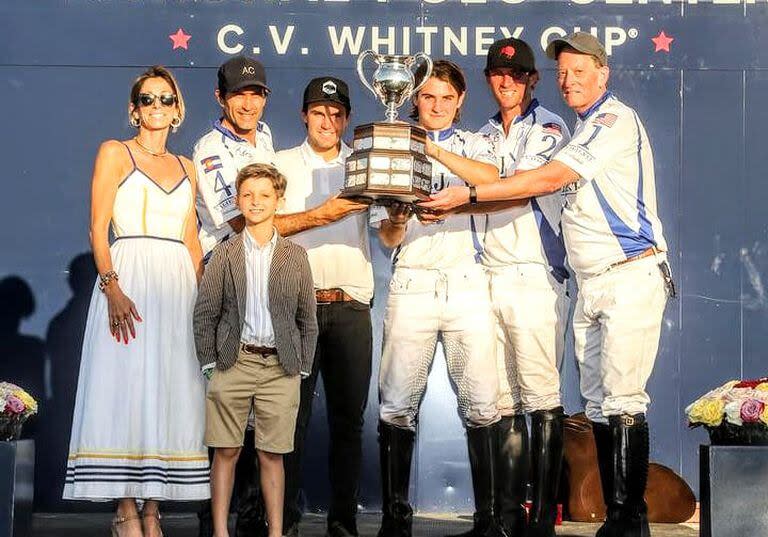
326,296
645,253
258,349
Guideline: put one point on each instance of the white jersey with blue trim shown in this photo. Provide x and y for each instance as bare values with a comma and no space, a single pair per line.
610,212
529,233
218,156
455,241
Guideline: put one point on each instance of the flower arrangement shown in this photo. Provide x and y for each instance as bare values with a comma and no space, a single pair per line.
16,406
735,413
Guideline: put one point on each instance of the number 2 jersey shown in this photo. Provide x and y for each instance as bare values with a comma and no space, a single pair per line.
610,213
218,156
529,233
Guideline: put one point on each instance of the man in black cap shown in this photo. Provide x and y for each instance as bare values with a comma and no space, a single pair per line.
616,250
524,256
236,139
334,231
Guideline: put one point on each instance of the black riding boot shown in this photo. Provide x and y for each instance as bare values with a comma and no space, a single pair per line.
604,447
395,453
483,452
547,461
627,513
512,474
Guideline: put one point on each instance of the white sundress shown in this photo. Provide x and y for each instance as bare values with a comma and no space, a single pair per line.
139,418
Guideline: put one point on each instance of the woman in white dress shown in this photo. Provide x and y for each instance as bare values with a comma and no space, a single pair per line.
137,432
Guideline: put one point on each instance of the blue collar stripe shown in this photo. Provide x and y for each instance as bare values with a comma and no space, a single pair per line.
607,95
530,110
496,119
441,136
219,126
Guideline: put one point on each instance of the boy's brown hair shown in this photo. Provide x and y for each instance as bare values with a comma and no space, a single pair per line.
262,171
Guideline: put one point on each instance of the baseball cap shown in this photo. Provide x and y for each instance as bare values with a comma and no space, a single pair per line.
510,52
583,42
327,89
241,72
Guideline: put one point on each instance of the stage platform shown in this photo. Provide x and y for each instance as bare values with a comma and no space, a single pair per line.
185,525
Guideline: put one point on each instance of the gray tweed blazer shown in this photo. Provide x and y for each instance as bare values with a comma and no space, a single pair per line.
220,307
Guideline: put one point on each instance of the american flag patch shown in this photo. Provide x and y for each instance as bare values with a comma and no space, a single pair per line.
211,163
552,128
606,119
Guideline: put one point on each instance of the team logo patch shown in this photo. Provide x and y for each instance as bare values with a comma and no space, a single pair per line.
606,119
329,87
211,163
552,128
508,51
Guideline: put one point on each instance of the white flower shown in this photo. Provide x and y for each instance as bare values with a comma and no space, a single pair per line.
733,412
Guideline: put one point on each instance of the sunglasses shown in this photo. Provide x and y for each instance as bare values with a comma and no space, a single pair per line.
517,76
148,99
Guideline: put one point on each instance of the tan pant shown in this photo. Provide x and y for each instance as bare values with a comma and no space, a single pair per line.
259,382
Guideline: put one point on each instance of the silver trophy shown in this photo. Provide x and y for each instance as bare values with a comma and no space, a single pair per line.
388,161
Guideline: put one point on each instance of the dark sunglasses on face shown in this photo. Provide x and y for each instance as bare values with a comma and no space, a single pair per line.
148,99
517,76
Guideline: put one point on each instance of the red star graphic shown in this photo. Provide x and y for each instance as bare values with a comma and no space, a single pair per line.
508,51
180,39
662,42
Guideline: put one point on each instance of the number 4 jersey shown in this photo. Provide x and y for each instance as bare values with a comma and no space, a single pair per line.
218,156
610,213
529,233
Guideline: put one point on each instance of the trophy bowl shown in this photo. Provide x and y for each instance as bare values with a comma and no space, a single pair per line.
388,161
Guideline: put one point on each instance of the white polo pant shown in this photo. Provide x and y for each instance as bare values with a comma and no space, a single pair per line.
455,306
531,309
616,326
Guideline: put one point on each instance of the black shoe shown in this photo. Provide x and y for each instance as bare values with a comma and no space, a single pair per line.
337,529
512,474
604,448
627,512
253,527
292,530
395,453
483,452
546,462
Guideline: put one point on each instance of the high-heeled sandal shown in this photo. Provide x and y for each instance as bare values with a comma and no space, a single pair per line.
119,519
152,514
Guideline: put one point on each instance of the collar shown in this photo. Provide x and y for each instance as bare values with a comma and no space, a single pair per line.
607,95
251,244
316,161
497,122
528,111
219,126
441,136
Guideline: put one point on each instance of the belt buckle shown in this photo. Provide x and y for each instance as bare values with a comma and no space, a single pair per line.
628,421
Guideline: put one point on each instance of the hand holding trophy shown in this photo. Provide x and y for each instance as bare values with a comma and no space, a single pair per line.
388,162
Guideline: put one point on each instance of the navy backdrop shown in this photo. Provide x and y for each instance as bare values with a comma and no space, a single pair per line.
65,70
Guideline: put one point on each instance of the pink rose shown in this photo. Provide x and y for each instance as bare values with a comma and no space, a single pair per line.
14,404
751,410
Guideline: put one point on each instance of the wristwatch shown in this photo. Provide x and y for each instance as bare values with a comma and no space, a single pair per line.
472,195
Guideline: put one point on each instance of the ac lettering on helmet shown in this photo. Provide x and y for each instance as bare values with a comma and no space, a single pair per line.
248,69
